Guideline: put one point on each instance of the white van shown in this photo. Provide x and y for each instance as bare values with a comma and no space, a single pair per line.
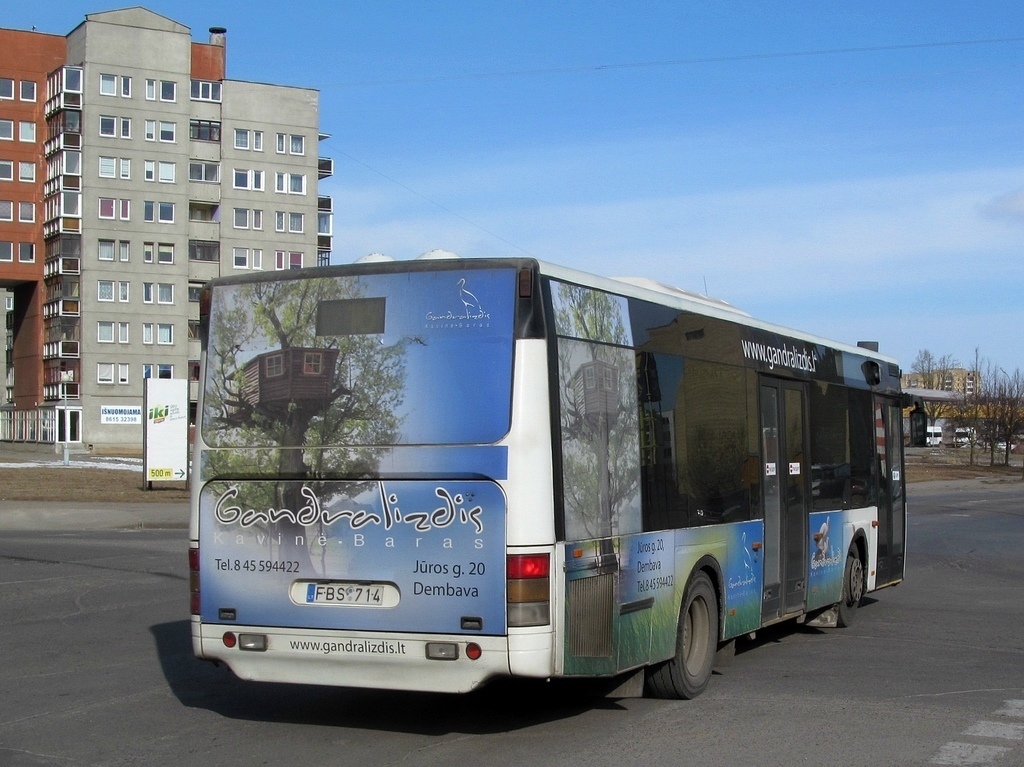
934,436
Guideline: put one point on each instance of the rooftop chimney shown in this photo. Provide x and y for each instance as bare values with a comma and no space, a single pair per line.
217,36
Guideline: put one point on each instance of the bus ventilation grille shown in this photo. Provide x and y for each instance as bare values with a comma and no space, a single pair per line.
591,602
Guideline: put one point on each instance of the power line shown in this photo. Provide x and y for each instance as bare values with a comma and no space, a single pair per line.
589,68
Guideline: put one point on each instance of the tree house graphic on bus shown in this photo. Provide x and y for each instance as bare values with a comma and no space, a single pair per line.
298,375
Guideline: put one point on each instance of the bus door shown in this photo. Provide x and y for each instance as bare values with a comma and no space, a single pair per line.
891,506
786,496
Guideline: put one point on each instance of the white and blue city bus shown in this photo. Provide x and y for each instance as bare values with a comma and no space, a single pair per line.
429,474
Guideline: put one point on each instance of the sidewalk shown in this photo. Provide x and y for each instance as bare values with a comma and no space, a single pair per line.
71,516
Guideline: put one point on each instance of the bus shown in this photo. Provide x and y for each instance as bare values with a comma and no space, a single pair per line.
429,474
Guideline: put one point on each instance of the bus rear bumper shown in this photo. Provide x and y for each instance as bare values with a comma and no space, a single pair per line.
364,659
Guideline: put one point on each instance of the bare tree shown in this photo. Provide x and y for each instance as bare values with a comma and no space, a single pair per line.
1004,405
934,373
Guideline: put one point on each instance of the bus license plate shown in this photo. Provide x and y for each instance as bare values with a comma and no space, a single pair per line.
345,593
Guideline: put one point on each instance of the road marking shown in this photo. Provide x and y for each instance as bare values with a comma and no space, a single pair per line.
968,753
1012,708
996,730
955,753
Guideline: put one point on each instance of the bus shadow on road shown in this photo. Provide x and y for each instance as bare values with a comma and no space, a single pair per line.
501,706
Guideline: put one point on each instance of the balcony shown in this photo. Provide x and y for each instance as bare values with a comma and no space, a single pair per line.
62,307
62,265
325,204
325,167
61,391
60,350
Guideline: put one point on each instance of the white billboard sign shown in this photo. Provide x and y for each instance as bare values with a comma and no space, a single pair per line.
130,414
165,456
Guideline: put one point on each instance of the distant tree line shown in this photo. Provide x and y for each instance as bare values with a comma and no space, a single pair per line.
991,410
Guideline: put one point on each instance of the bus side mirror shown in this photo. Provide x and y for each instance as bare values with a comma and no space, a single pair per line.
918,427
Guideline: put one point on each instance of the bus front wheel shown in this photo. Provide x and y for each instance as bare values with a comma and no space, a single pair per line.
853,589
687,674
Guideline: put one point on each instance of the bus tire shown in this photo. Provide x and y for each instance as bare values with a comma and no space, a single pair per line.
853,589
687,674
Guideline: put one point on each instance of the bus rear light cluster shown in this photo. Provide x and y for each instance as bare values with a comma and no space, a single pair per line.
193,581
528,587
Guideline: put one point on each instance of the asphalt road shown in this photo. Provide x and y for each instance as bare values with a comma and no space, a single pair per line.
96,669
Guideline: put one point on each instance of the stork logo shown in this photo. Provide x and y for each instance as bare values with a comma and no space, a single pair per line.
466,310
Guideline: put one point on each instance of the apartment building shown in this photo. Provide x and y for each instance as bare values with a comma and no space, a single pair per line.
131,172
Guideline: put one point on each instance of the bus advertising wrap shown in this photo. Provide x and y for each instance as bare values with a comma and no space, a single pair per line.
374,556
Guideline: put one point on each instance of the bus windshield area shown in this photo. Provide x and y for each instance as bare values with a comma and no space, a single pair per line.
397,358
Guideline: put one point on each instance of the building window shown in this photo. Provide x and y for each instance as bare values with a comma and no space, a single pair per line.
126,87
108,167
167,130
295,222
165,293
240,257
6,130
148,248
147,370
289,260
257,258
257,141
149,170
201,250
105,332
147,333
166,172
28,90
122,332
26,212
168,90
165,253
26,171
205,90
124,249
257,219
108,85
204,171
106,207
6,89
161,212
165,334
124,208
241,138
26,252
6,251
105,290
27,132
123,291
105,250
281,139
279,219
165,371
147,292
108,126
105,372
150,130
194,292
241,218
126,168
6,210
297,145
122,373
150,90
126,127
204,130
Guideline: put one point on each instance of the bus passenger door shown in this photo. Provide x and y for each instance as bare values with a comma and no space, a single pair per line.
786,496
891,505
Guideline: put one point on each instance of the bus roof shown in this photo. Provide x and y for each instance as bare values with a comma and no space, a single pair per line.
651,290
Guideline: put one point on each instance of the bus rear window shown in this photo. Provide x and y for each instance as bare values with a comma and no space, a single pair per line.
399,358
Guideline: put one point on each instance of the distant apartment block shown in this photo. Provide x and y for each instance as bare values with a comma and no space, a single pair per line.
956,380
131,172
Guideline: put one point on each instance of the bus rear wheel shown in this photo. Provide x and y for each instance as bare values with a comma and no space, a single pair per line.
853,589
687,674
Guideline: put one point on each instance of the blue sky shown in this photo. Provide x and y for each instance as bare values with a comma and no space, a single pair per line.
852,169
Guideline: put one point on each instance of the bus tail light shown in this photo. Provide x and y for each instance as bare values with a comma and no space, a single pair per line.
193,581
528,589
